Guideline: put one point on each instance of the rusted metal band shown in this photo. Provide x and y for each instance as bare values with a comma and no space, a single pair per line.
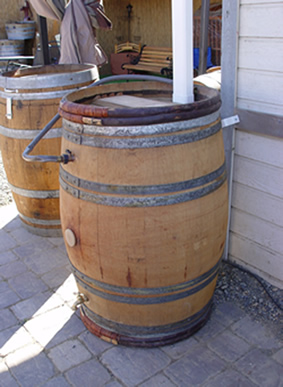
145,142
86,110
41,222
145,201
35,194
76,103
28,134
44,231
98,112
205,98
141,292
141,189
147,334
149,300
153,295
166,116
72,117
35,96
142,130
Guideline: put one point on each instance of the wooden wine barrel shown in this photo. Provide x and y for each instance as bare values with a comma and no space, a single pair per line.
143,208
29,99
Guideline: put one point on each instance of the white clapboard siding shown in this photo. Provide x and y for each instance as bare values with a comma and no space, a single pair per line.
260,91
262,86
257,2
260,1
261,19
256,227
263,177
261,54
257,258
260,57
258,230
257,203
258,147
256,106
256,224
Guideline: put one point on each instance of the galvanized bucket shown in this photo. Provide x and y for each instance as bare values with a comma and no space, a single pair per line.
10,48
20,30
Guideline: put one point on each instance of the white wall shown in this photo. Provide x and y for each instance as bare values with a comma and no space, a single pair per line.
256,230
260,56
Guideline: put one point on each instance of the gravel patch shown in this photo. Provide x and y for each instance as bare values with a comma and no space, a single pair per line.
262,301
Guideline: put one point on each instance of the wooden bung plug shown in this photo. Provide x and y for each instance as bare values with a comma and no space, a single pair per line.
70,237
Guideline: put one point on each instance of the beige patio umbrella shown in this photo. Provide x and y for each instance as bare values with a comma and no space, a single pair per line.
79,19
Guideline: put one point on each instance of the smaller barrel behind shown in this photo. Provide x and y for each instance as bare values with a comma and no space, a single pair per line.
29,99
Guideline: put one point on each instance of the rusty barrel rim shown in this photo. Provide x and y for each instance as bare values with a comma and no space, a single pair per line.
75,107
158,336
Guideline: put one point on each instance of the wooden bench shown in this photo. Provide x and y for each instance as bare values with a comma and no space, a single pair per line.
156,60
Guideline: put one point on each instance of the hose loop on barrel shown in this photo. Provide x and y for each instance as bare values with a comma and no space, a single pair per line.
131,77
64,158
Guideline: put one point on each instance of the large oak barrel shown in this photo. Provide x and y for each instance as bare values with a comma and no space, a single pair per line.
144,208
29,99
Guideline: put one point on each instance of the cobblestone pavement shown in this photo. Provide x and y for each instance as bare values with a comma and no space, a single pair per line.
44,343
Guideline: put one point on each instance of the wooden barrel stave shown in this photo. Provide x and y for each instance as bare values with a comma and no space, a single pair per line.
30,176
157,232
142,315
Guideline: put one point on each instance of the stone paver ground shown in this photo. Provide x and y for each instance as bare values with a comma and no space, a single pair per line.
44,343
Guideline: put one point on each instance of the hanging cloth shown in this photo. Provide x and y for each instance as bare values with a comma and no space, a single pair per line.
51,9
79,19
78,38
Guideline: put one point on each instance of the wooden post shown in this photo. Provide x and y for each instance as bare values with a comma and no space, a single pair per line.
182,38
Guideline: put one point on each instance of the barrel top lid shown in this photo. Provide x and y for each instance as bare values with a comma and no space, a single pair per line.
131,101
